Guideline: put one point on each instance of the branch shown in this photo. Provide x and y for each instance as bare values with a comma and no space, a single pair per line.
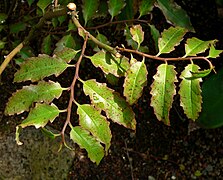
71,100
48,15
100,44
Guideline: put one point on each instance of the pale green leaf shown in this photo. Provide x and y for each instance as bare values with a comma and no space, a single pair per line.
46,45
42,4
190,93
137,34
175,14
24,98
136,79
36,68
83,138
115,107
91,120
115,7
89,9
155,35
163,90
170,38
199,74
49,133
214,53
67,54
146,7
41,115
110,64
195,46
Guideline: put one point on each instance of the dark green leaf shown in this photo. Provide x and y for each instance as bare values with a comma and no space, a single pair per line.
89,9
46,45
42,4
146,7
115,7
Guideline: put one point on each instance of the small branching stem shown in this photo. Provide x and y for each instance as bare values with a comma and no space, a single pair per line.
76,76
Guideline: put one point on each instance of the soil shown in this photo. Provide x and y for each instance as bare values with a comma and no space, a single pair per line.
154,151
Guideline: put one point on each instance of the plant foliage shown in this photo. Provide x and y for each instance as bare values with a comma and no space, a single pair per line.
121,66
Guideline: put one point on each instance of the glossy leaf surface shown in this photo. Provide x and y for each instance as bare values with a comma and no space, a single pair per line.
170,38
111,102
36,68
136,79
190,93
83,138
163,90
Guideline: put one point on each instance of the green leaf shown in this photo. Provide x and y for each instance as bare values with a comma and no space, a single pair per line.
109,101
199,74
195,46
41,115
83,138
115,7
145,7
137,34
2,44
175,14
163,90
36,68
30,2
65,41
3,17
49,133
155,35
132,43
170,38
110,64
24,98
136,79
42,4
129,11
214,53
46,45
190,93
67,54
17,27
89,9
91,120
211,115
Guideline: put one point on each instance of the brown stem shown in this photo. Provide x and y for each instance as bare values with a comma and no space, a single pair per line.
76,76
165,59
116,22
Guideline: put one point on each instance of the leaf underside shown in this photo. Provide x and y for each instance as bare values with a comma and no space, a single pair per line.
190,93
109,101
163,90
